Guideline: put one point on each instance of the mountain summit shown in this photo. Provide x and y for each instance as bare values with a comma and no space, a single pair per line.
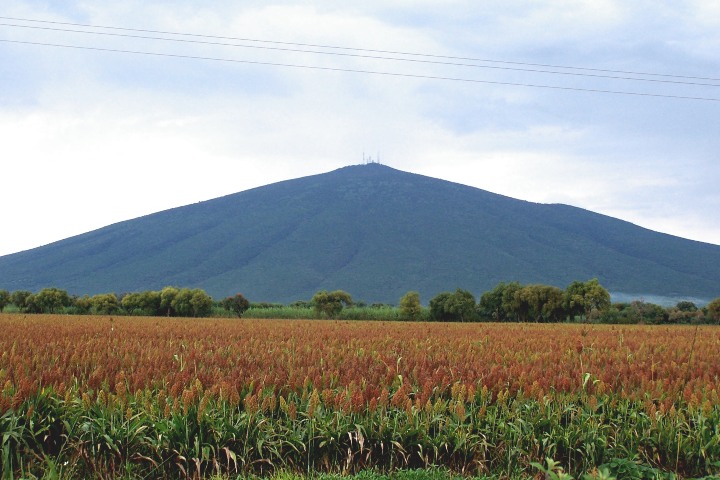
373,231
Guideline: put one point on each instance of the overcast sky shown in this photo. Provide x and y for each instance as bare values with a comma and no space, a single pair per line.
92,137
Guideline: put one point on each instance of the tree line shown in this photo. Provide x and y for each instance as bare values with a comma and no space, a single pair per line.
581,301
508,302
170,301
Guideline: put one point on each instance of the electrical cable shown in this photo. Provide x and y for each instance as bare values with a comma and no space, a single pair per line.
365,49
374,57
372,72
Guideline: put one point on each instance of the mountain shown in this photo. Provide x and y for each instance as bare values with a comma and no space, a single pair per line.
373,231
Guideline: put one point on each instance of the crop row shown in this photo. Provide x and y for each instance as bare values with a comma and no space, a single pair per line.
237,395
149,435
93,353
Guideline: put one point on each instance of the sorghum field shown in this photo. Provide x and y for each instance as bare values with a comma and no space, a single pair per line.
135,397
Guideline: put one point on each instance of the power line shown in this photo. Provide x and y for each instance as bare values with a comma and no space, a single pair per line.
425,55
372,72
374,57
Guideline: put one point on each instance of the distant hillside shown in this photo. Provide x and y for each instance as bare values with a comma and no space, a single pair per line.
371,230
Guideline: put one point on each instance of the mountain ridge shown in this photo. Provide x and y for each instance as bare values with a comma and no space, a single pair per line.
374,231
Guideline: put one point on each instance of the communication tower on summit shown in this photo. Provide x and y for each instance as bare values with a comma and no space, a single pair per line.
367,160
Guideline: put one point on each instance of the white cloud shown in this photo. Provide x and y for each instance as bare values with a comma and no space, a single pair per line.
102,137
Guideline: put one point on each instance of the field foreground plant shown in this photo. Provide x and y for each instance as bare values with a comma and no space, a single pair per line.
146,397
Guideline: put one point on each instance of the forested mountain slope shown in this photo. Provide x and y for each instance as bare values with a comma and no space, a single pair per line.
373,231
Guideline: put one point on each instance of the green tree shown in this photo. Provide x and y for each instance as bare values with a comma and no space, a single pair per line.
541,303
237,304
19,299
575,299
713,309
582,298
410,306
49,300
491,304
458,306
131,304
596,296
82,305
32,305
142,303
105,303
150,302
553,307
437,306
330,304
511,304
686,306
201,303
167,298
640,311
683,312
191,303
461,305
180,303
4,299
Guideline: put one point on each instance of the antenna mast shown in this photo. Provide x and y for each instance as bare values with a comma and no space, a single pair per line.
367,160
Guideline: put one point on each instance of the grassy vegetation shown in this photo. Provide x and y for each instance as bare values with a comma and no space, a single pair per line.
141,435
383,313
418,474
